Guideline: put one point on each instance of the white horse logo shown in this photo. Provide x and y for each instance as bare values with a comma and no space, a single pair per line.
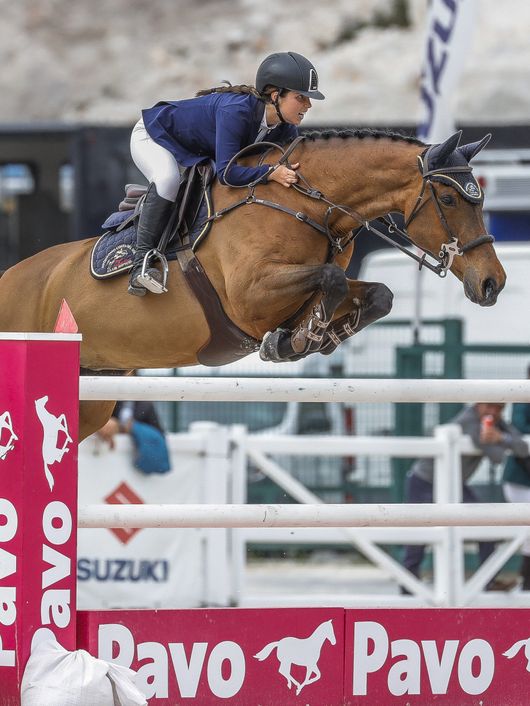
7,440
514,649
304,652
52,426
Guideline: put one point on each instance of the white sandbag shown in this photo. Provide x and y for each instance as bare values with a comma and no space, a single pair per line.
126,691
56,677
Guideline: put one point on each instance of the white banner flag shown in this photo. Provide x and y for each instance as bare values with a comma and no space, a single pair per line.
450,25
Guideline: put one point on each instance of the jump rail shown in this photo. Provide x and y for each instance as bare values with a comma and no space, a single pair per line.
301,390
311,515
38,510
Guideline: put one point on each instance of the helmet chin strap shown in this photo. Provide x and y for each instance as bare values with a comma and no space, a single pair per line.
276,105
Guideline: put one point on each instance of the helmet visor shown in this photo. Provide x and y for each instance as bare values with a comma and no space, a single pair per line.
312,89
314,95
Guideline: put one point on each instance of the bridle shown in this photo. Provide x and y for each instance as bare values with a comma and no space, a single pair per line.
448,251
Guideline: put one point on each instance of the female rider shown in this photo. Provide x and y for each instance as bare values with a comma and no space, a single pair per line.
215,125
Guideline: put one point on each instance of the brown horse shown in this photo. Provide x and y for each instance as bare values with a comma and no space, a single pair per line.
274,272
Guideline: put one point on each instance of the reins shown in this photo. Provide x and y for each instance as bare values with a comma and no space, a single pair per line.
445,257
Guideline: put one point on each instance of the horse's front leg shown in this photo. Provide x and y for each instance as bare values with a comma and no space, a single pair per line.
308,336
365,303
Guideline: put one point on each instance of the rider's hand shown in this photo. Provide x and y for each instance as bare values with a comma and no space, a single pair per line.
284,175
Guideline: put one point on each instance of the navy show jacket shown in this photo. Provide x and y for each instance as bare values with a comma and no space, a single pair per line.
215,126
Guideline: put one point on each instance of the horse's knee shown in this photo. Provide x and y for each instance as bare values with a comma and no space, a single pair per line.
380,300
92,416
333,281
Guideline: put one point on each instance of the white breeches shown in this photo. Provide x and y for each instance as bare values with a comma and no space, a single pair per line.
515,493
155,162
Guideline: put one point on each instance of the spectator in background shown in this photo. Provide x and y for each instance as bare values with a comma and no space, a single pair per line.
140,420
493,437
516,480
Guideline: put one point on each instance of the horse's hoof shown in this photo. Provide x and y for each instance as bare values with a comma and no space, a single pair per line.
269,346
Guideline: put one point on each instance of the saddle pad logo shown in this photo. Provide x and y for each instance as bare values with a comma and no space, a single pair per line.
7,435
56,437
119,257
472,189
304,652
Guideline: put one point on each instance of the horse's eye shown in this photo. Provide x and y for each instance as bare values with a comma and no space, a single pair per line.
447,199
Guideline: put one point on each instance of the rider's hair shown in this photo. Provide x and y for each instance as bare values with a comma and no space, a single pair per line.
242,88
228,88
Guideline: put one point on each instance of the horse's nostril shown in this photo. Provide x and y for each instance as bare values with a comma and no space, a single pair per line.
490,288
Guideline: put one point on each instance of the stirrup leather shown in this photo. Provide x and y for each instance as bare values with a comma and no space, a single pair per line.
144,279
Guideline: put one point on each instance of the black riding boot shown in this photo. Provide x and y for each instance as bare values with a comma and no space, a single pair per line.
525,573
153,218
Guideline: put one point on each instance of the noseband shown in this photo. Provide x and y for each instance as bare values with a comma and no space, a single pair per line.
448,251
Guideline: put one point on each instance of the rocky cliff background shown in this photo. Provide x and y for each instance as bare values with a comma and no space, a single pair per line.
100,61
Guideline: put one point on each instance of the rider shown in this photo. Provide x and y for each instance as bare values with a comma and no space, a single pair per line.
216,125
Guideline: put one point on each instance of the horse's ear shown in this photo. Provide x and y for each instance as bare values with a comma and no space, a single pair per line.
438,154
471,150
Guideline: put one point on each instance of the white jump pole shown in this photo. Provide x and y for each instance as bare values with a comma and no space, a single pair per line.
314,515
302,390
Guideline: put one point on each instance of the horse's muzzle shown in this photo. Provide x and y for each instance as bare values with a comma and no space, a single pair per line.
483,292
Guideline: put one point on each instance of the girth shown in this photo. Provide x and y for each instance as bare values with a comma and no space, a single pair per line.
227,342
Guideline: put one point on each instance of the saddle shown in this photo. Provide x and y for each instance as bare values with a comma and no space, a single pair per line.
187,227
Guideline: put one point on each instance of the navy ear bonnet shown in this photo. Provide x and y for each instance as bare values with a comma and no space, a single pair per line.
448,164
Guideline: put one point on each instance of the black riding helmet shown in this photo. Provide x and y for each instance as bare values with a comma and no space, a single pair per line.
289,70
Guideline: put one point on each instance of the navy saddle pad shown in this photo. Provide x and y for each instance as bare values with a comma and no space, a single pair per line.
114,251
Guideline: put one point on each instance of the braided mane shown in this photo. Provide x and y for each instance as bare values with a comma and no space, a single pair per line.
361,134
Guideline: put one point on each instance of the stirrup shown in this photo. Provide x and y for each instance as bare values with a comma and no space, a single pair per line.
144,279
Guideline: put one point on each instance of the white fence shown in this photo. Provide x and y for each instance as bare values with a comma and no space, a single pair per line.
214,389
226,453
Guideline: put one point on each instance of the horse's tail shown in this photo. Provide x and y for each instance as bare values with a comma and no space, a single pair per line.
265,652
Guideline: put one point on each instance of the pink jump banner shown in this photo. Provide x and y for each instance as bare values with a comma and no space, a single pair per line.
444,657
319,656
39,403
268,656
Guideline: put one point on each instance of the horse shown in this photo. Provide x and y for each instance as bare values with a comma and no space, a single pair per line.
304,652
276,262
55,438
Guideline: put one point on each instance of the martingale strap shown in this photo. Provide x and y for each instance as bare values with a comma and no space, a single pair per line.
336,243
